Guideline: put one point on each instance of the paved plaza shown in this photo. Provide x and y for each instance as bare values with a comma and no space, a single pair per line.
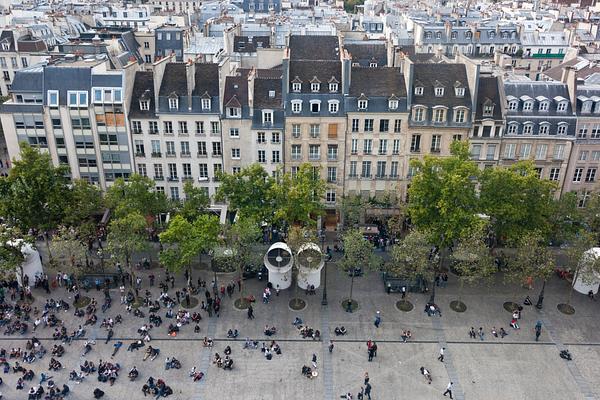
515,367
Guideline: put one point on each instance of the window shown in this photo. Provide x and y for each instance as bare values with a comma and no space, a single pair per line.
559,152
296,130
436,143
583,155
53,98
262,158
366,169
187,170
596,155
419,114
202,149
234,133
525,150
459,116
367,146
148,58
562,129
439,115
354,146
275,138
595,132
136,126
330,196
158,171
459,92
315,130
383,146
275,156
362,104
296,106
476,151
528,105
540,151
296,152
173,103
577,175
590,175
355,123
488,110
216,148
172,171
267,117
353,165
384,125
333,106
562,106
203,168
296,87
315,106
205,104
142,170
396,146
174,193
314,87
510,150
144,105
368,125
314,152
185,149
582,133
214,128
415,143
439,91
168,127
513,105
183,128
333,87
456,138
527,129
512,129
331,174
554,174
199,128
235,154
393,104
332,152
544,105
170,148
381,166
397,125
77,98
419,91
155,147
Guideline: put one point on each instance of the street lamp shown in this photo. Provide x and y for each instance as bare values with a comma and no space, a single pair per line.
324,299
540,301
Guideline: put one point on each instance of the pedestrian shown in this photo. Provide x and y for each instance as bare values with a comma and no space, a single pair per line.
366,378
368,391
314,361
480,333
371,354
403,292
331,346
377,319
426,374
250,312
441,356
449,389
538,330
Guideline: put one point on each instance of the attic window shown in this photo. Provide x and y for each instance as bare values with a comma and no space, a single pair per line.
586,107
314,87
439,91
393,104
173,103
271,94
419,91
459,91
234,112
5,46
296,87
144,105
562,106
488,110
362,104
206,104
333,87
544,105
373,65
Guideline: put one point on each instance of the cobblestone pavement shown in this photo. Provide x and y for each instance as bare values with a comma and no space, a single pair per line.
515,367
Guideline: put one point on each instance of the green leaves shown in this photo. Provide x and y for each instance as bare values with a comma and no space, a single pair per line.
12,242
68,246
410,257
471,257
127,235
136,196
358,252
196,202
532,258
85,201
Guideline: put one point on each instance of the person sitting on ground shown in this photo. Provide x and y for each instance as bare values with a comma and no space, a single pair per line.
527,301
297,322
227,350
232,333
472,333
494,332
503,333
306,371
341,331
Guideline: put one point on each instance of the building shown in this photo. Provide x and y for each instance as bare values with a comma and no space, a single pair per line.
488,124
169,40
72,108
18,50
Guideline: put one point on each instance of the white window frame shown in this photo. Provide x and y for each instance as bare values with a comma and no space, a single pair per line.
544,129
459,92
318,103
296,87
528,128
393,104
233,112
205,104
333,87
544,105
144,105
513,105
562,106
173,104
439,91
419,114
50,94
267,116
77,94
512,128
562,128
419,91
333,106
315,87
298,104
363,104
460,115
528,105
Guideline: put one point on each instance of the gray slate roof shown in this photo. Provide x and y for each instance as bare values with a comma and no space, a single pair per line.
245,44
489,92
142,85
315,48
377,82
446,75
364,54
322,70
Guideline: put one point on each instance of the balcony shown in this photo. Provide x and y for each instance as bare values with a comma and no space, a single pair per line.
296,157
140,154
201,154
415,150
331,180
137,131
183,133
216,154
159,178
153,132
170,154
435,150
261,141
168,132
332,157
188,178
314,157
173,179
156,154
275,141
380,176
186,154
200,133
352,176
382,153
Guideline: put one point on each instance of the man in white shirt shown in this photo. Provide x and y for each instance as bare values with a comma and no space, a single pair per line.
449,389
441,357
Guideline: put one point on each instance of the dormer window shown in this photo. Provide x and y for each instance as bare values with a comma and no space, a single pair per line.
205,104
492,34
453,35
469,34
296,87
586,107
544,105
597,108
488,110
562,106
296,106
428,35
334,106
419,91
504,35
233,112
439,91
362,104
315,87
333,87
267,116
459,92
144,105
5,46
52,98
393,104
438,35
513,105
173,103
373,65
528,105
315,106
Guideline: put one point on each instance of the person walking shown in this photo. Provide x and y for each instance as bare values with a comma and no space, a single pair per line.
449,389
403,292
538,330
426,374
314,361
368,390
366,378
441,356
331,346
250,312
377,319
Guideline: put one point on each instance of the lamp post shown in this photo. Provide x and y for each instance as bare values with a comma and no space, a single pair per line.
540,301
324,299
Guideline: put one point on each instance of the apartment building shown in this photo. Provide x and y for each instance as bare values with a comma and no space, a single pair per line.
540,126
18,50
175,125
72,108
377,129
315,76
488,124
147,46
171,39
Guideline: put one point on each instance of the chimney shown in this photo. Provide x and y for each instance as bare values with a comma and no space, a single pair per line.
251,77
569,77
190,74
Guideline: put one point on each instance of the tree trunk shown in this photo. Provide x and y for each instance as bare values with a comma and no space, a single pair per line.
571,288
351,288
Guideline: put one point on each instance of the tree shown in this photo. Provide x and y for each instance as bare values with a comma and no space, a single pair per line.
298,198
35,194
591,215
396,223
137,195
518,202
532,259
580,261
196,202
126,236
183,241
85,202
12,244
410,259
352,210
67,245
248,191
358,253
567,219
442,195
472,259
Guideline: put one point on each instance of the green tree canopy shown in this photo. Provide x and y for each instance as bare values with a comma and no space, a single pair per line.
68,246
241,238
137,195
566,218
591,215
12,242
442,194
85,202
248,191
532,258
410,257
126,236
472,259
517,200
196,202
35,194
352,208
